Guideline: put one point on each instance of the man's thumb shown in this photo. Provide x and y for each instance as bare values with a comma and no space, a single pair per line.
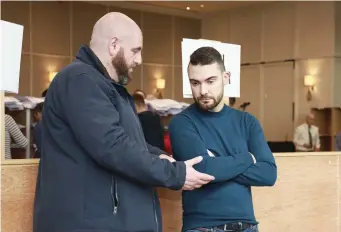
195,160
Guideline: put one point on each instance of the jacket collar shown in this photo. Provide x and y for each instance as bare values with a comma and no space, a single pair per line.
86,55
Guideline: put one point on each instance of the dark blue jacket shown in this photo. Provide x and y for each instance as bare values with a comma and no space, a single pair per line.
96,172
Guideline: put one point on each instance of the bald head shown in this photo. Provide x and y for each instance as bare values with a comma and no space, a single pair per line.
117,41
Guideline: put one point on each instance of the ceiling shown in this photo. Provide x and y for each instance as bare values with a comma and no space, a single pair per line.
198,6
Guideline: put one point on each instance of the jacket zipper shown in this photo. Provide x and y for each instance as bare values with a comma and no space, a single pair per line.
155,213
114,194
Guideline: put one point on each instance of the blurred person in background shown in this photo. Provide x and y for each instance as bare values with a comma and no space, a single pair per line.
151,123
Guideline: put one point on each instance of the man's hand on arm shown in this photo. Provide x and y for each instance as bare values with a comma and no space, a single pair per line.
167,157
195,179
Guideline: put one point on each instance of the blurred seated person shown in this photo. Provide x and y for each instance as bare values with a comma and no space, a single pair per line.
150,122
37,114
306,136
13,134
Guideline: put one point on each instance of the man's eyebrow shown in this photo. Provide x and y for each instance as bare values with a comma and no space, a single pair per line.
212,77
207,79
137,49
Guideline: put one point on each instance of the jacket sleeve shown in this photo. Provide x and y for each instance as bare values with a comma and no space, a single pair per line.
155,150
95,123
187,144
264,171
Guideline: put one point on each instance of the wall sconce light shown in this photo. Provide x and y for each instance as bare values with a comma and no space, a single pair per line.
160,85
52,75
310,83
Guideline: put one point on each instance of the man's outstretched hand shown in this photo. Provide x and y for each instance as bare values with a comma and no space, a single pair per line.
195,179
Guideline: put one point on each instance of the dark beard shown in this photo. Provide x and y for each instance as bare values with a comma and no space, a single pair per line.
121,67
208,107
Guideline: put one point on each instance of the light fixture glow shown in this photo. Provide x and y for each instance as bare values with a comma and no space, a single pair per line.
188,8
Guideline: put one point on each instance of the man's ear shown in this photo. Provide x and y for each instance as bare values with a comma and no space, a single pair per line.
226,78
114,46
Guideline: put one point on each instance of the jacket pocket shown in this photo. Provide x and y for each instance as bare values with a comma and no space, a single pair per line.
114,194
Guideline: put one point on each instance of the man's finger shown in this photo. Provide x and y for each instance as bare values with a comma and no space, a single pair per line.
202,182
194,161
204,177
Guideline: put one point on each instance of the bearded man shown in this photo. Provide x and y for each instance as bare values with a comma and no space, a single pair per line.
97,173
233,147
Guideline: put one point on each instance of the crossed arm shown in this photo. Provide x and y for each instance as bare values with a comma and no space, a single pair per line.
187,143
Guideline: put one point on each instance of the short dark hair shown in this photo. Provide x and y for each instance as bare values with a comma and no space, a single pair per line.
43,94
139,91
139,100
232,101
207,56
39,108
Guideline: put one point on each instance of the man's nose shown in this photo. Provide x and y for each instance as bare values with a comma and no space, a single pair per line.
138,59
203,89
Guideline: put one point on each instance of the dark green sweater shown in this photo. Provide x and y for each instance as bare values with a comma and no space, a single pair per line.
230,135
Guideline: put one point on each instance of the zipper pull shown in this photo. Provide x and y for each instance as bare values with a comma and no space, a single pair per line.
115,209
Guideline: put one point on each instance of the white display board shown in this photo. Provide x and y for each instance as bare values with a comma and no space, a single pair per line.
11,46
231,54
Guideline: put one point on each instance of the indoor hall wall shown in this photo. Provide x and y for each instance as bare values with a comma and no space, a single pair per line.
54,31
269,35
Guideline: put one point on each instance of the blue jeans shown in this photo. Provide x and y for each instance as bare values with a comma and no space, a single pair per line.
251,229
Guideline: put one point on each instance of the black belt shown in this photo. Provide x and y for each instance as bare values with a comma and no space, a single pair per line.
237,226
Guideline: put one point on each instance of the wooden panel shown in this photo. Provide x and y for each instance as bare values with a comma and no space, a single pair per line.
49,37
178,86
278,101
157,47
246,30
337,6
321,69
18,184
250,89
158,22
42,65
25,78
151,73
184,28
84,17
339,215
18,12
279,29
216,27
307,187
310,16
337,78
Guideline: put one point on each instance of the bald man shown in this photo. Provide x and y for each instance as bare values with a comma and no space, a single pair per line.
97,173
306,136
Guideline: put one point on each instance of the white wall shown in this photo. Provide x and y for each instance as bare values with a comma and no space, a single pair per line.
275,32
